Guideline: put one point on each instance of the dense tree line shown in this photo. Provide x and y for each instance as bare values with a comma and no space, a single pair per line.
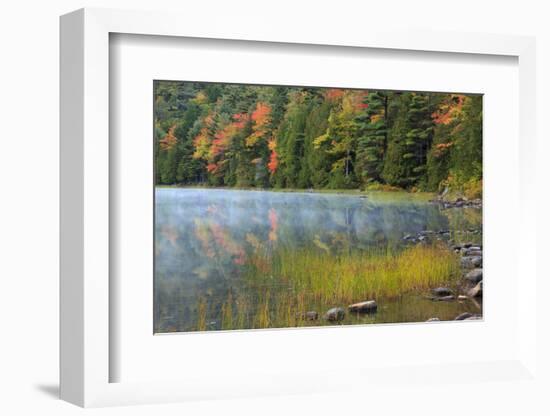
292,137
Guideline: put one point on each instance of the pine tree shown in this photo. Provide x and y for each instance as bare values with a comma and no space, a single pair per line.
418,138
372,140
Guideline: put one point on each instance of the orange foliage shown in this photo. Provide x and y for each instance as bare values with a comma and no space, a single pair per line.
170,140
273,157
449,110
441,148
260,116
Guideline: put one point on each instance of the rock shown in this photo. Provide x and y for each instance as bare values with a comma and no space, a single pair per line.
471,262
474,318
462,297
467,245
446,298
367,306
335,314
474,276
463,316
311,316
433,320
476,291
442,291
472,252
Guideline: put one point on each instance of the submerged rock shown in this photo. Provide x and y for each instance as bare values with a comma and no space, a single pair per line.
463,316
474,276
442,291
367,306
477,290
335,314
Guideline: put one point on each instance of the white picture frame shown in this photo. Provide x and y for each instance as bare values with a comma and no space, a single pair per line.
86,356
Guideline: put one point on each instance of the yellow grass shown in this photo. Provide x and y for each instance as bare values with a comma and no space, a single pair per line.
284,284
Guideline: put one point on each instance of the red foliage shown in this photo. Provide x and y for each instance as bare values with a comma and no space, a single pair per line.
240,120
334,94
361,105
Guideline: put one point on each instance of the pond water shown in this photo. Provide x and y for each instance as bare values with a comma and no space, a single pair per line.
204,238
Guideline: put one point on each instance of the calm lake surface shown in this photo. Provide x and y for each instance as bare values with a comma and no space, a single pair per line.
203,238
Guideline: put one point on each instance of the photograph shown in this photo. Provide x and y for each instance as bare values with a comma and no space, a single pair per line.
298,206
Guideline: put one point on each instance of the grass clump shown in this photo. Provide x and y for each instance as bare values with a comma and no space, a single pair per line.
358,275
284,283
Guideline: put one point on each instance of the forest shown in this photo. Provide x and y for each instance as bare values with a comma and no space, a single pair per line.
276,137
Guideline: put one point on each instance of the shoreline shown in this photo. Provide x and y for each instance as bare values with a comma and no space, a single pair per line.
348,192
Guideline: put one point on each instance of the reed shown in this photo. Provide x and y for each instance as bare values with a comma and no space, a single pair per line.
284,283
201,314
359,275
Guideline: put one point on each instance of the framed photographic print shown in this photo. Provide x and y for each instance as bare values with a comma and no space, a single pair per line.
280,206
270,213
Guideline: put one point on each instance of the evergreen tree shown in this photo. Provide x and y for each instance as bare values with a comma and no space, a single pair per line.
238,135
372,141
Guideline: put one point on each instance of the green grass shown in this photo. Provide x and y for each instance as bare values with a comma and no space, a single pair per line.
356,276
284,284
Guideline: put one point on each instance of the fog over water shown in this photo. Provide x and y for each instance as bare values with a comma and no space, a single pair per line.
204,236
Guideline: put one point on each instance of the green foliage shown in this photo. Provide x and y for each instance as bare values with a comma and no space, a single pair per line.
283,137
372,141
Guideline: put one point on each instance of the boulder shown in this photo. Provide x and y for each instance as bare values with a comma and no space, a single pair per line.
476,291
311,316
335,314
470,262
463,316
442,291
472,252
474,276
367,306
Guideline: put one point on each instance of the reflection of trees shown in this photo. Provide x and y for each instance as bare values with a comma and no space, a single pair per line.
203,238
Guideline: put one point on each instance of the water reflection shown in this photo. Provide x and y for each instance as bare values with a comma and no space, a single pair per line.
203,237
